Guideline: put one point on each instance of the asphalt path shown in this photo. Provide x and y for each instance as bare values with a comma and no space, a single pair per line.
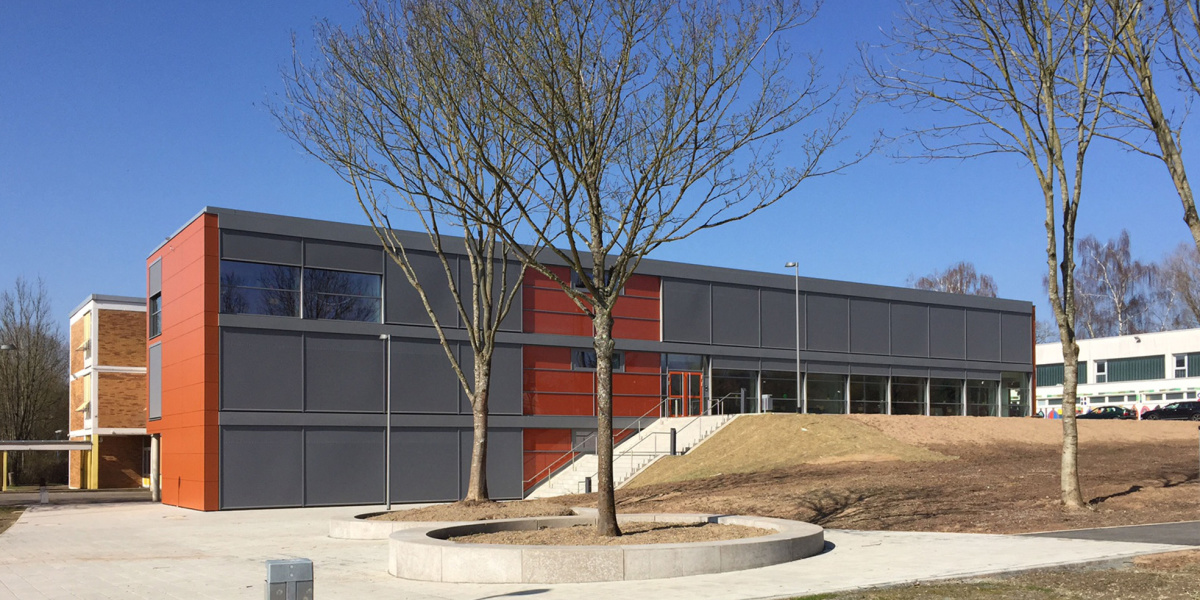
1185,533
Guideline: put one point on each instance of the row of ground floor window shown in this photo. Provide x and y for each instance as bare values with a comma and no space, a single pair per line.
735,391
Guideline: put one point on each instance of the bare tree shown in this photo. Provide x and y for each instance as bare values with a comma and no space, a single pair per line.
1045,332
1178,305
33,373
397,116
1023,77
656,119
1151,43
1114,292
960,278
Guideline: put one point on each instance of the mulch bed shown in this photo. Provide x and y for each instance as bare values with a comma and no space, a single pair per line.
632,533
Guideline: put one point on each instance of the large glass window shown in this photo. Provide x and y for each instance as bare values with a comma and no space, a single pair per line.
586,360
908,396
1015,390
341,295
826,393
945,397
781,387
982,398
734,391
258,289
868,394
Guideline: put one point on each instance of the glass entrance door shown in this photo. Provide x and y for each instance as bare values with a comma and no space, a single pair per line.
685,391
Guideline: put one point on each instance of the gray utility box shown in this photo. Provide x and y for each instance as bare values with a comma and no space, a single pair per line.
290,579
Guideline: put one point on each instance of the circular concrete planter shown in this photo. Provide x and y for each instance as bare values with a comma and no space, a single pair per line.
424,553
360,527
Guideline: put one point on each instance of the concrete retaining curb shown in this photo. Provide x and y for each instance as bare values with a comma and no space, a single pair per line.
423,553
359,527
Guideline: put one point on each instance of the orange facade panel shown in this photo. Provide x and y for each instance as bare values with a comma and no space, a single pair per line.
547,309
189,369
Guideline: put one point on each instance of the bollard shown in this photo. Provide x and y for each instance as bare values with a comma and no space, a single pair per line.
674,448
290,579
43,495
587,485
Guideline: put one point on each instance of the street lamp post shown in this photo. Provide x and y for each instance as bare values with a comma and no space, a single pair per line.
803,402
4,455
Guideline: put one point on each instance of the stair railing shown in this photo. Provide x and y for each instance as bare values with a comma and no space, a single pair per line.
576,451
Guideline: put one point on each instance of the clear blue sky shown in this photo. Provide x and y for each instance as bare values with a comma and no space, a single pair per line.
121,120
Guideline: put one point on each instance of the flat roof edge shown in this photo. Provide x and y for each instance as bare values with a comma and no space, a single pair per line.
131,300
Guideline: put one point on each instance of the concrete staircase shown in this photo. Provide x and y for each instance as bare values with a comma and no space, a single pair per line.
634,454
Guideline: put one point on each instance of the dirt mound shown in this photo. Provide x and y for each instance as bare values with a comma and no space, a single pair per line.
930,432
756,443
484,511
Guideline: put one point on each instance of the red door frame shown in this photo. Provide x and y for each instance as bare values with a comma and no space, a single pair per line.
679,397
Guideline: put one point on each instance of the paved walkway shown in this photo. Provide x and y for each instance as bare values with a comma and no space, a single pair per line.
1183,534
63,496
143,550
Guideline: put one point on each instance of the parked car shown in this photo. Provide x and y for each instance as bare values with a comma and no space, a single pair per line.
1176,410
1109,412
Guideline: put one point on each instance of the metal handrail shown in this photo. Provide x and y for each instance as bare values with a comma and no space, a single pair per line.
720,402
575,453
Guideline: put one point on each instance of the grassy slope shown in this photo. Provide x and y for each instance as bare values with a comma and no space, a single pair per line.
755,443
9,515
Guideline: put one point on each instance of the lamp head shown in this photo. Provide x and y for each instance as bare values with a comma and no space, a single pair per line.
790,265
7,347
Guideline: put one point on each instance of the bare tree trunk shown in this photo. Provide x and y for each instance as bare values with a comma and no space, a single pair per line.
477,490
606,522
1072,494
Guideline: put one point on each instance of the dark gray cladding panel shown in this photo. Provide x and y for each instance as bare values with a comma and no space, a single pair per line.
1016,342
404,304
422,379
829,368
870,370
984,375
983,335
869,327
947,328
505,462
259,247
686,311
779,319
343,257
513,320
779,364
262,467
507,380
735,317
155,278
343,466
728,362
466,361
425,465
827,323
512,274
344,373
910,330
154,372
261,370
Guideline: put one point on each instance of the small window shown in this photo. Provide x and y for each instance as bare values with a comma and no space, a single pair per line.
155,316
259,289
586,360
341,295
577,281
1054,402
1181,366
1154,397
1175,396
1101,371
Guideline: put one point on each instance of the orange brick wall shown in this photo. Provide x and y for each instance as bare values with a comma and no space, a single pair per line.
188,425
121,461
122,399
122,339
76,398
77,337
75,466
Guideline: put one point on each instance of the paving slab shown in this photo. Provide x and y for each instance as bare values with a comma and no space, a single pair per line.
1185,533
144,550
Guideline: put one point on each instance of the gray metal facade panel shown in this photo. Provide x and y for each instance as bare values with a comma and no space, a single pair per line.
686,311
343,466
262,467
983,335
512,274
779,364
343,257
261,247
155,278
507,381
827,323
425,464
466,362
506,462
403,303
870,370
910,330
1016,338
513,320
828,368
154,373
422,379
870,329
735,315
947,329
779,319
261,370
984,375
909,372
343,373
737,363
946,373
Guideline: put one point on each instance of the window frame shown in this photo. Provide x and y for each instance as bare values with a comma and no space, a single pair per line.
1101,371
154,308
1181,371
618,360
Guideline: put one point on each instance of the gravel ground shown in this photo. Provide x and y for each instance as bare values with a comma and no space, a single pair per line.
632,533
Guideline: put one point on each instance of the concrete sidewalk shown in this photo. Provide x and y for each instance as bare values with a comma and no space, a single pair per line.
152,551
1186,533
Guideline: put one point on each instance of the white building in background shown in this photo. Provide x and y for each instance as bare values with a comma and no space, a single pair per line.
1142,372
